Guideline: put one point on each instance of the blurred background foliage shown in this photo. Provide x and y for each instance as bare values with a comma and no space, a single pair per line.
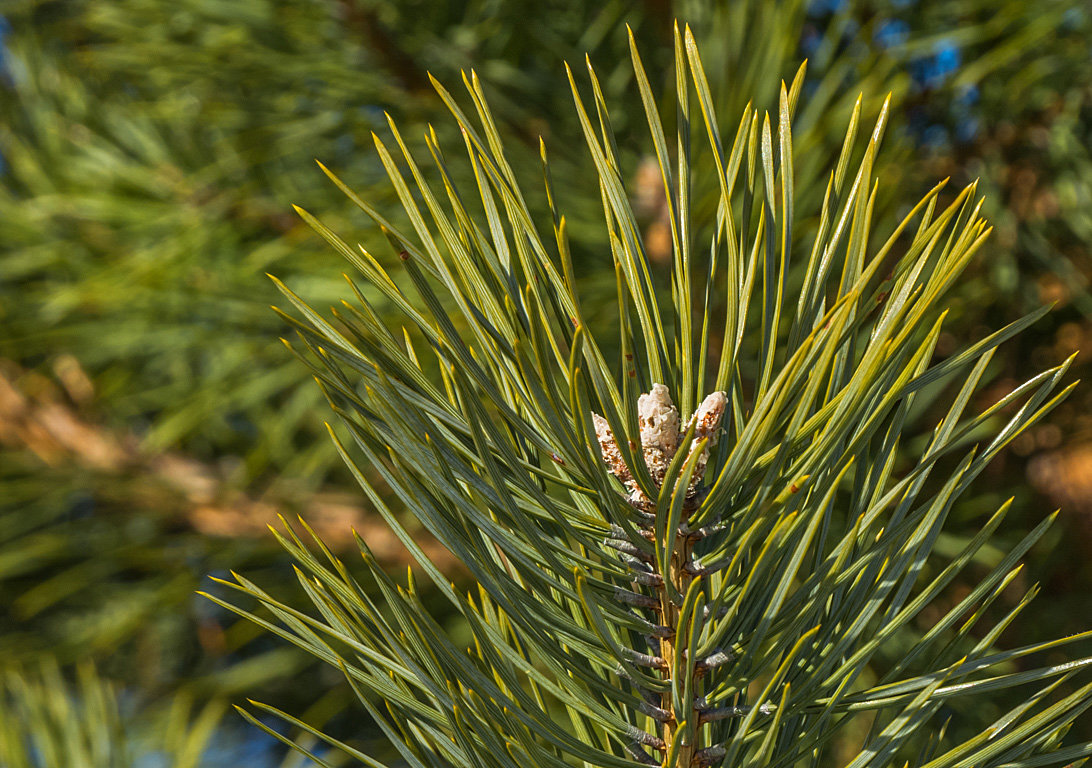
151,424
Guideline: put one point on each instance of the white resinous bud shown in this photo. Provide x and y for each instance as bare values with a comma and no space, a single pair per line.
659,421
706,421
608,447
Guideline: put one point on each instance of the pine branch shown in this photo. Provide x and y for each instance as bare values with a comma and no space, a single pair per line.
721,581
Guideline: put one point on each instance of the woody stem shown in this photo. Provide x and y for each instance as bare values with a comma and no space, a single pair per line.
674,647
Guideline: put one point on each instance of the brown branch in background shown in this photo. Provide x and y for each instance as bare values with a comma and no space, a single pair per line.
42,416
651,206
382,42
1065,476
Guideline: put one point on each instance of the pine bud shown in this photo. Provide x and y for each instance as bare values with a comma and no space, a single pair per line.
706,421
609,448
659,421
